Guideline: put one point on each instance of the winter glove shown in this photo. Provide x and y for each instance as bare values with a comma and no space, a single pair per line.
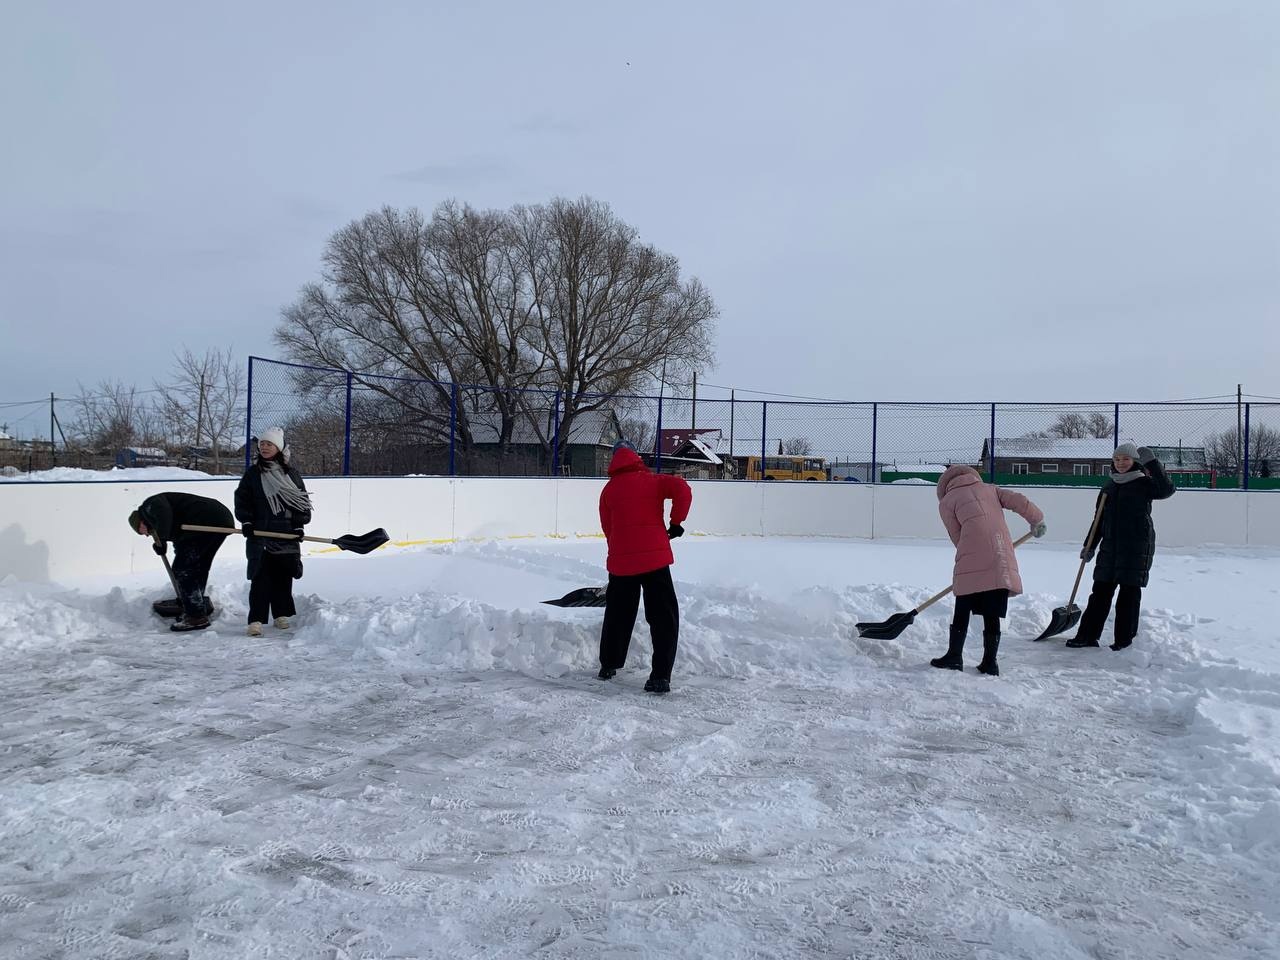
1145,455
247,530
160,547
1039,530
299,532
675,530
1086,553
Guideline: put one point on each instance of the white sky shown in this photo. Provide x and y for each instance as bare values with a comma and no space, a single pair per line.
931,201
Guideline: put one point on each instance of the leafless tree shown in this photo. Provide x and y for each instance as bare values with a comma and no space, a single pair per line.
1223,450
611,311
441,301
797,446
112,416
529,311
202,402
1080,425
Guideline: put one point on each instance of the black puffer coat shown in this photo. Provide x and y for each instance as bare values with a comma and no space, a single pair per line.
165,513
253,507
1127,535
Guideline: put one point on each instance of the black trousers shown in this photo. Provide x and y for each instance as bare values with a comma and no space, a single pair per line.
661,610
1128,606
271,590
192,557
991,605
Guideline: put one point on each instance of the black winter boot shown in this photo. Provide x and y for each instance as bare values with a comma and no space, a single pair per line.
657,685
952,659
990,647
606,673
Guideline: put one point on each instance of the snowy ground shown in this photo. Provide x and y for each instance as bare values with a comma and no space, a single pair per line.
115,475
426,767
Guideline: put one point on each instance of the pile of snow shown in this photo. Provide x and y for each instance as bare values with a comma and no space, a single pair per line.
426,766
115,475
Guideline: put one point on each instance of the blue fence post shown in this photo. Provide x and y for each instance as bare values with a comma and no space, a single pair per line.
1116,421
346,433
657,440
1245,481
453,429
555,436
248,420
764,433
875,413
991,473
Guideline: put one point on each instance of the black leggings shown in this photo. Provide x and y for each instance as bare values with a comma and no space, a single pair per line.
990,622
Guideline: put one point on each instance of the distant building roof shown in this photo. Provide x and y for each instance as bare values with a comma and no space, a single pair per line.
1053,448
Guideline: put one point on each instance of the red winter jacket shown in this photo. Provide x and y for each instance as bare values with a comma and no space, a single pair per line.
631,508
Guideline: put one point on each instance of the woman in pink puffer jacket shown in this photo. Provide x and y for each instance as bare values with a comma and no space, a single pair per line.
986,570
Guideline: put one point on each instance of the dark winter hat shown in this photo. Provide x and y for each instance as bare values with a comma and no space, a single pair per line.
135,521
1129,450
624,444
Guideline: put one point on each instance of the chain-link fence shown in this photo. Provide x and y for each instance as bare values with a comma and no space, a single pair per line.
341,423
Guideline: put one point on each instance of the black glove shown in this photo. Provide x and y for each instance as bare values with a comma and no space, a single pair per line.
1086,553
675,530
1145,455
247,530
299,532
160,547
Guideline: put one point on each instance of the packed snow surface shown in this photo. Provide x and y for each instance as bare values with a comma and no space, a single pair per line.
426,766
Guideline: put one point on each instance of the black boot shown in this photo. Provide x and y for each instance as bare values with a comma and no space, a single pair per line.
952,660
990,647
657,685
606,673
1078,641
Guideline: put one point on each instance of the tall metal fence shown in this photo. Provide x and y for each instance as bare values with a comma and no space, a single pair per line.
340,423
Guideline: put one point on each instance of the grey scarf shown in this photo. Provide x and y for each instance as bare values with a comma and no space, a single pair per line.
1134,474
280,489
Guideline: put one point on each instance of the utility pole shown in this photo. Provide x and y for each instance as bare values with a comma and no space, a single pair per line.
693,418
199,419
1239,430
53,456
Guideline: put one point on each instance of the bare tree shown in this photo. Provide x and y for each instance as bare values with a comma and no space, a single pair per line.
1081,425
1223,450
203,401
611,311
562,297
442,301
797,447
112,416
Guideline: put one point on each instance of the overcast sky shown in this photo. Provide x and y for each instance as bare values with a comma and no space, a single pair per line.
888,200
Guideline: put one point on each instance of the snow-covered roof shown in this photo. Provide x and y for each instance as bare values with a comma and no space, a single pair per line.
147,452
1054,448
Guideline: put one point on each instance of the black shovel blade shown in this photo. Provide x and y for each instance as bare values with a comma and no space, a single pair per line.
887,629
1063,619
582,597
367,543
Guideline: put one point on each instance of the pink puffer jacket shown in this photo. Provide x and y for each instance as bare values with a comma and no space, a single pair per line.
973,513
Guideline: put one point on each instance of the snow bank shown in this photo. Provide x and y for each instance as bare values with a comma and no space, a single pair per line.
115,475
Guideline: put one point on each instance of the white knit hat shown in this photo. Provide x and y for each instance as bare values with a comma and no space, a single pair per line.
273,435
1129,450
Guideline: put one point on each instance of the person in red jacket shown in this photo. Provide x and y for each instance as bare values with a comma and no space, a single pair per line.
632,505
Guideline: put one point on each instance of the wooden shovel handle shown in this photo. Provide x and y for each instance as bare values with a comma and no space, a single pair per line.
197,528
942,593
1097,519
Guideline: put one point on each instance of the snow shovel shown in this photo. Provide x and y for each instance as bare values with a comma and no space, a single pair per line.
1064,618
366,543
888,629
582,597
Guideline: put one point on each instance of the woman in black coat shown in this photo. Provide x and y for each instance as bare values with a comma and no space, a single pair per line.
1126,544
271,496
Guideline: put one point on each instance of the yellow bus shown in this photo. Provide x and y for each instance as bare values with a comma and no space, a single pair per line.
785,468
